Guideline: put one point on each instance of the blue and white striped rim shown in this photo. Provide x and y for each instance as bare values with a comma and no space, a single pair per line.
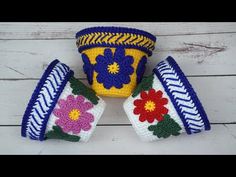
182,96
44,99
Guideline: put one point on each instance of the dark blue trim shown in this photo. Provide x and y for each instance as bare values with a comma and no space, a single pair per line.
34,96
189,89
172,99
45,120
113,29
144,49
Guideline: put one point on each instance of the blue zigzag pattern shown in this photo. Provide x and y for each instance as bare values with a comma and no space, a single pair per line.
182,96
44,99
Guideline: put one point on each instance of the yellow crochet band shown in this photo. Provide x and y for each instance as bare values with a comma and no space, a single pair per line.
114,58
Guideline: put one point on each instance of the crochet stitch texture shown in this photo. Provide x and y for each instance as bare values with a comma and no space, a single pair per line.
114,58
61,107
164,104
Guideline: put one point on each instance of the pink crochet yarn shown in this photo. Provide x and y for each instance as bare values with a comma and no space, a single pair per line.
73,115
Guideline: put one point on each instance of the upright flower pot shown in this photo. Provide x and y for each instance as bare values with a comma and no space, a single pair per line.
61,107
114,58
164,104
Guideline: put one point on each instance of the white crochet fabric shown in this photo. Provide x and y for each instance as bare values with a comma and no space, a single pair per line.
167,105
96,111
43,98
141,128
45,119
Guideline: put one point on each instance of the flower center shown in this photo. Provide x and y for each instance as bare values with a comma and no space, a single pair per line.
149,106
113,68
74,114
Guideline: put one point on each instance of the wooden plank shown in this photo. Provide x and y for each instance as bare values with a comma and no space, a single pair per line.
68,30
197,55
216,94
123,140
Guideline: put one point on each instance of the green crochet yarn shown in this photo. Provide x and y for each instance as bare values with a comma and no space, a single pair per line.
165,128
144,85
78,88
57,133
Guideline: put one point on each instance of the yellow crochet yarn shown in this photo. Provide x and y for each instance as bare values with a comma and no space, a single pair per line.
114,57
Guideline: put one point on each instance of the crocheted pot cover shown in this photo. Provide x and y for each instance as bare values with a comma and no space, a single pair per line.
164,104
61,107
114,58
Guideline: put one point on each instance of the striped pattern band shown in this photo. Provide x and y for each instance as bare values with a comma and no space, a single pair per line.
44,99
182,96
114,37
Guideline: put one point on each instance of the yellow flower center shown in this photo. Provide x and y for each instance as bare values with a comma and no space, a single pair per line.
74,114
113,68
149,106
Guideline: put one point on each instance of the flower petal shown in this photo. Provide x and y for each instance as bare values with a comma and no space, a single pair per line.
158,94
61,121
60,113
119,54
144,95
62,104
86,126
102,60
87,117
138,102
71,100
85,106
142,117
76,128
79,99
117,82
150,119
108,84
137,111
151,93
101,78
123,78
128,60
163,101
159,117
164,110
66,127
108,54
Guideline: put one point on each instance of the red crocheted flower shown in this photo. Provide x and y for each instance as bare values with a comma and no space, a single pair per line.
151,106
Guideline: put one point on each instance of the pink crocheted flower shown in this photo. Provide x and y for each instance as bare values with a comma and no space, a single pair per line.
73,115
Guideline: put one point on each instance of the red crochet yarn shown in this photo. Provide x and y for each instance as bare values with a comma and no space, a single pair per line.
151,106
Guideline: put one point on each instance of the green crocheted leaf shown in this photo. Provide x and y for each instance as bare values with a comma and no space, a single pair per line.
57,133
165,128
145,84
78,88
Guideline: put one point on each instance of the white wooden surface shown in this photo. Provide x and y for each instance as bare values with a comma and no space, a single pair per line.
205,51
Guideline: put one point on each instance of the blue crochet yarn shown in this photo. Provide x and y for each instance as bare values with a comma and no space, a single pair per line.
182,95
122,76
141,68
114,29
88,68
55,77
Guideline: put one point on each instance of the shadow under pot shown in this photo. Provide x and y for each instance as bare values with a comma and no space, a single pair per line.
114,58
61,107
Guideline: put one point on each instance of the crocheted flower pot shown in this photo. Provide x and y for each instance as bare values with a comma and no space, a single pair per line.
114,58
164,104
61,107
